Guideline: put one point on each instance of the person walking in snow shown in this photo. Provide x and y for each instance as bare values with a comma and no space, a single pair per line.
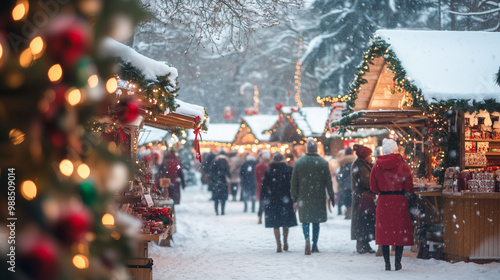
219,176
278,205
260,170
247,176
310,178
391,178
172,169
363,220
235,163
344,181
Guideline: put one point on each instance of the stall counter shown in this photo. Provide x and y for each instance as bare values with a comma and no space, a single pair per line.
471,226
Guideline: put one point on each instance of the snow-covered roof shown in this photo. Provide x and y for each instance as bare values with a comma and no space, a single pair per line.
150,67
218,132
360,133
150,134
188,109
310,120
448,64
260,123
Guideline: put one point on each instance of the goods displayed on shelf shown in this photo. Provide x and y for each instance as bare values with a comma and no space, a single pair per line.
155,220
472,181
482,139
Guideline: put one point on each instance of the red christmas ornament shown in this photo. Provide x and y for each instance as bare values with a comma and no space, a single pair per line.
128,110
68,39
38,258
73,225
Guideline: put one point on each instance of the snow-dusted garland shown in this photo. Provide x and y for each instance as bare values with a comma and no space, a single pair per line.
160,92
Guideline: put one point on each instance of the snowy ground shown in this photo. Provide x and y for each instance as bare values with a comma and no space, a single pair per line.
234,246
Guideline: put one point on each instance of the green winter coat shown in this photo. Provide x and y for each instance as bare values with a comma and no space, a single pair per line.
311,180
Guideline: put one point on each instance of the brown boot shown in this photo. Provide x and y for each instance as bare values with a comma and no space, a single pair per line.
277,236
260,220
308,248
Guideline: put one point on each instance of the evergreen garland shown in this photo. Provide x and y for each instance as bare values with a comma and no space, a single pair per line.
160,89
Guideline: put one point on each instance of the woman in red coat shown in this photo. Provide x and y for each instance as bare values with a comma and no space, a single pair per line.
391,178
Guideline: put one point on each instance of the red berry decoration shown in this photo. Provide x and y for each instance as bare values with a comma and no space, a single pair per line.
68,39
73,225
38,258
128,110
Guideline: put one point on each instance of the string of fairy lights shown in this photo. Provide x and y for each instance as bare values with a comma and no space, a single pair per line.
256,98
298,74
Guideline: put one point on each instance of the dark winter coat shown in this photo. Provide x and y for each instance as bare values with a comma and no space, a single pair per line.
172,169
344,180
362,224
260,170
247,175
219,176
276,198
311,180
391,173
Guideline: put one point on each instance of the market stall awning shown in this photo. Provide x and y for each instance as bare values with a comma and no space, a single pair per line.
382,118
149,134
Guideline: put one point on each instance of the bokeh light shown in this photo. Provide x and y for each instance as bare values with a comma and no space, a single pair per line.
80,261
74,97
108,220
111,85
83,171
28,190
55,73
93,81
66,167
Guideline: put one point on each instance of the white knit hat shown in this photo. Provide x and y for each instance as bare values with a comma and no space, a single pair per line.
266,154
389,146
312,146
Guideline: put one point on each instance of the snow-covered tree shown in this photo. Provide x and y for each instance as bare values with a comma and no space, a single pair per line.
475,15
342,31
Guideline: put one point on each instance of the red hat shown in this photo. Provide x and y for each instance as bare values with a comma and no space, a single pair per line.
362,151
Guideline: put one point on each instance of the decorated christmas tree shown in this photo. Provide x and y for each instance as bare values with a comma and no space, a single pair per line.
59,178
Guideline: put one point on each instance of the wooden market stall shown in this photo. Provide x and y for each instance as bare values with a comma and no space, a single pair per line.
251,137
421,85
295,125
149,88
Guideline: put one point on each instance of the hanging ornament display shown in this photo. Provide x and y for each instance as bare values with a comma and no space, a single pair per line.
128,110
69,40
38,257
73,225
